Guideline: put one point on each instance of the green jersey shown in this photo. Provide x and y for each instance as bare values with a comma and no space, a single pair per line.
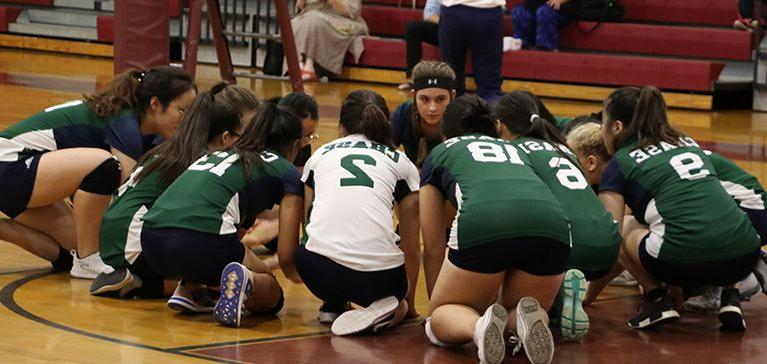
495,191
120,234
213,195
73,125
595,236
674,189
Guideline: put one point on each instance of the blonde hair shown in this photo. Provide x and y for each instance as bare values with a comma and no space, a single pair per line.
433,69
587,139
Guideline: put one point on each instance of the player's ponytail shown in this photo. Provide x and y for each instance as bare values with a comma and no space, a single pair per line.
643,114
276,127
519,112
468,114
365,112
134,89
212,113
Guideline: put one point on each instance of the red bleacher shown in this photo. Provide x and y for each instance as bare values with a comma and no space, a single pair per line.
7,15
635,52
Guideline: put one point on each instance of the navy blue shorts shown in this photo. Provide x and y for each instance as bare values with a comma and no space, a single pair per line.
534,255
17,179
193,256
692,275
759,220
337,284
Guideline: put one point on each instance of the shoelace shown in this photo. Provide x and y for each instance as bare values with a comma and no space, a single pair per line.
515,343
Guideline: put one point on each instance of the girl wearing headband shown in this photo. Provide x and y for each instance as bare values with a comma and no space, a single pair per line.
85,149
417,129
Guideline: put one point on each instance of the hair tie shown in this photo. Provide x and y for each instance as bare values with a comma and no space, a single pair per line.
141,76
533,117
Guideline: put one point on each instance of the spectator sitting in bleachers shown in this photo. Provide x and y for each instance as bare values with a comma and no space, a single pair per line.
325,31
747,20
426,31
537,22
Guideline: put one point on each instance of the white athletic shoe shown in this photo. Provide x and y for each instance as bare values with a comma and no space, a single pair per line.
354,321
624,279
488,335
88,267
533,332
748,287
709,301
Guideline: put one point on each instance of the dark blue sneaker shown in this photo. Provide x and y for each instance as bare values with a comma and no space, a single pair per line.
236,286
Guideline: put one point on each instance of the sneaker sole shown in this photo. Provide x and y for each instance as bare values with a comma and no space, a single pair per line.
355,321
732,320
120,289
185,305
228,310
84,275
665,318
493,347
538,341
574,322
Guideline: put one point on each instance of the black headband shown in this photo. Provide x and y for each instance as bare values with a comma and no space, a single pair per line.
432,82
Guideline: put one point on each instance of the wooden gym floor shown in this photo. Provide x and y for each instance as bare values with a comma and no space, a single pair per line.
46,317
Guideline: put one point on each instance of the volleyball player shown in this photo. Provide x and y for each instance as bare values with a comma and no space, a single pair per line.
191,230
214,121
510,232
83,148
692,233
416,123
349,251
595,237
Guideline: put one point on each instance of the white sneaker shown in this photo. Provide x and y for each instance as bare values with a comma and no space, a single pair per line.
354,321
88,267
533,332
709,301
488,335
624,279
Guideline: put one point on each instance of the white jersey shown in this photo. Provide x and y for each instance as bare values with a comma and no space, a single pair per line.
356,182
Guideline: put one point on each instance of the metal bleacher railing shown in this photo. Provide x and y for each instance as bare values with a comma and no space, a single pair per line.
232,22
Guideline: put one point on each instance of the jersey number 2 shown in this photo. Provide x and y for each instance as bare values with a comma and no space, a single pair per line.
360,177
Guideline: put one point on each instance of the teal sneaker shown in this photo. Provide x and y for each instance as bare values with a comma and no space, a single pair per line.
574,321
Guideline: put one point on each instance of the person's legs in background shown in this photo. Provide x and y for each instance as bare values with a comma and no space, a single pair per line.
487,52
548,23
415,33
524,25
454,41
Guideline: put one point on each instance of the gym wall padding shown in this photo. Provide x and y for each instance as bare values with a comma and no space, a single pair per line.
141,34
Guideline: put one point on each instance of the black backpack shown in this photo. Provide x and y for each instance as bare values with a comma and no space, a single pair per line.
600,10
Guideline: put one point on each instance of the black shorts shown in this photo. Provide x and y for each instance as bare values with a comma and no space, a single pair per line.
535,255
594,274
152,283
194,256
759,221
17,179
337,284
691,275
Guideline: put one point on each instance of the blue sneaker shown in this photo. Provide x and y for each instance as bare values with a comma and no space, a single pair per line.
236,286
574,320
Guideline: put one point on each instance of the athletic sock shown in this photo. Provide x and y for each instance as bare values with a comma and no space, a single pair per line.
63,263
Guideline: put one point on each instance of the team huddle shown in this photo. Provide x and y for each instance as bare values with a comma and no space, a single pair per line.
153,189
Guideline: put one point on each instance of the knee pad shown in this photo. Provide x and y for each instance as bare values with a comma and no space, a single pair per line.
104,179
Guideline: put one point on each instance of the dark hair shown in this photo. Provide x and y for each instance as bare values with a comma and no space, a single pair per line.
276,127
211,114
365,112
302,104
519,112
643,114
133,90
580,120
543,111
468,114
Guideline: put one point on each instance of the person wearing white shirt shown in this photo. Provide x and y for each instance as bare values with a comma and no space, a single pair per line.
349,251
